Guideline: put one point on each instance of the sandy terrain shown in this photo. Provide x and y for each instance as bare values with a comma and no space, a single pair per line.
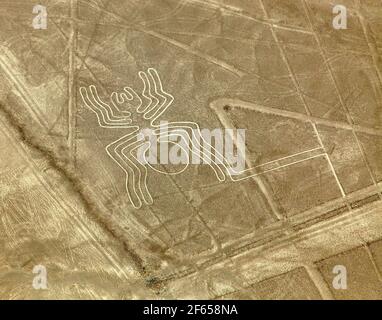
308,95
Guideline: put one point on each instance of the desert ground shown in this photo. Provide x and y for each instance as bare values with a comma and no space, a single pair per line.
308,95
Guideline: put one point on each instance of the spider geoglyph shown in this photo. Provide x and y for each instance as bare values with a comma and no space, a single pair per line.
126,109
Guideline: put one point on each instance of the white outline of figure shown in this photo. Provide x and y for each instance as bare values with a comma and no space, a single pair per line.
157,102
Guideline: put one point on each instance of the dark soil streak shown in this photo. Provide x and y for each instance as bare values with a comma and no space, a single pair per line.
73,183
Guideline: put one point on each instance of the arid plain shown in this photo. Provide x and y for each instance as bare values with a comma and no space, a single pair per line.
308,95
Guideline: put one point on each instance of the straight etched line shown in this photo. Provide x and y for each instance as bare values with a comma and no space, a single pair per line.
319,281
375,266
72,94
195,52
238,12
371,44
294,162
295,115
